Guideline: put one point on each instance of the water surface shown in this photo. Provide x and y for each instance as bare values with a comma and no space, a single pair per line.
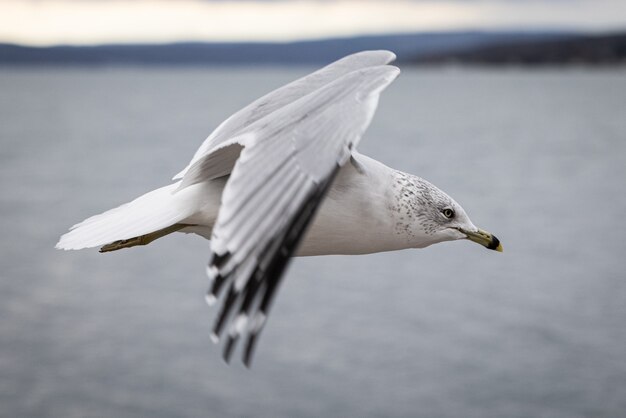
537,157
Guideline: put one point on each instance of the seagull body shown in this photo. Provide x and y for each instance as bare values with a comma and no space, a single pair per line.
282,178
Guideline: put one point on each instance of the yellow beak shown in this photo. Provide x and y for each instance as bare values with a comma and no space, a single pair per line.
483,238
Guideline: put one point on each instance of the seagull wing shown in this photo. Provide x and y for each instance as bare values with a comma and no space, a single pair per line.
223,143
288,162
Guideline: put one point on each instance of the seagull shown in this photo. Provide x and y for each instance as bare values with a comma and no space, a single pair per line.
282,178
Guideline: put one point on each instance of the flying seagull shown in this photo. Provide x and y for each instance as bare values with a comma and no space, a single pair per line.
282,178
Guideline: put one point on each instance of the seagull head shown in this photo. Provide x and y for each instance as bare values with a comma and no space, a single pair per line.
440,218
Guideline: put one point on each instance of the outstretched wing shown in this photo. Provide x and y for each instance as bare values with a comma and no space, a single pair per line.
288,162
223,145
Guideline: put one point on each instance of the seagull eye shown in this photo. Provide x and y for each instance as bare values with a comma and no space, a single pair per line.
448,213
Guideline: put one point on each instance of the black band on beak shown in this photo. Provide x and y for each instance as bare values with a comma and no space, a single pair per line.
495,243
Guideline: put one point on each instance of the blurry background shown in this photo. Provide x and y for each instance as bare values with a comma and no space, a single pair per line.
515,108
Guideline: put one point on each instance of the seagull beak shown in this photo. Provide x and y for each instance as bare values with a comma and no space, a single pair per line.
483,238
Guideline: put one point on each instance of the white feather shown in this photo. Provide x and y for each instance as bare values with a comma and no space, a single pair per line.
228,130
155,210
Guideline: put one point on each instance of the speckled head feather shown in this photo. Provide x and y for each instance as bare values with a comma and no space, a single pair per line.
421,209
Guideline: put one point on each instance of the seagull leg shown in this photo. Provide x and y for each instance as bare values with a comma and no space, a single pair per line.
142,239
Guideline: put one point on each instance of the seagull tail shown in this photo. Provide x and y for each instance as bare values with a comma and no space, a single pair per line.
151,216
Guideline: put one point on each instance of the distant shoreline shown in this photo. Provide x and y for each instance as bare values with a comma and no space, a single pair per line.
474,48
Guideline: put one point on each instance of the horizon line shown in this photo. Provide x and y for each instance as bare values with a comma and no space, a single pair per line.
565,30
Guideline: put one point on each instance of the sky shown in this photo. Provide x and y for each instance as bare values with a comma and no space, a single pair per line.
84,22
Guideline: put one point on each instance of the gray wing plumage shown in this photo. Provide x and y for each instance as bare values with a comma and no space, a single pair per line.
218,153
288,162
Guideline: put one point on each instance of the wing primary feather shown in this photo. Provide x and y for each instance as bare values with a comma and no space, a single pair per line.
248,296
218,260
218,279
227,307
217,285
250,292
280,259
244,199
253,335
229,346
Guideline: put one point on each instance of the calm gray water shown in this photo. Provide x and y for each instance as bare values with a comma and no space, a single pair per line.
538,158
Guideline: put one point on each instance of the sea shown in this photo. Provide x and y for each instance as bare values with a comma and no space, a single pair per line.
535,156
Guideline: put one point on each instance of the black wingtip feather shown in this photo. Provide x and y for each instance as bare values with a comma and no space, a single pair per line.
266,277
227,307
248,352
218,283
229,347
218,260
